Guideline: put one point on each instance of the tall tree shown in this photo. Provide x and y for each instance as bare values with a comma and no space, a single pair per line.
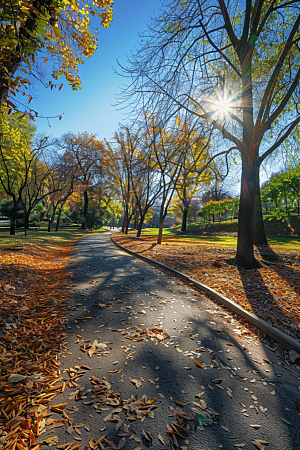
88,155
236,66
16,158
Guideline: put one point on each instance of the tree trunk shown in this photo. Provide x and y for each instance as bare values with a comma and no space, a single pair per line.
259,234
161,224
12,229
140,225
184,219
245,253
160,231
125,220
85,209
58,219
27,214
49,225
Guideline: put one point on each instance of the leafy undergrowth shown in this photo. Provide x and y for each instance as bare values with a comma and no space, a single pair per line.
272,292
32,302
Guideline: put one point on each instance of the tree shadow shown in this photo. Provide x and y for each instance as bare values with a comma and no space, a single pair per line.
267,253
262,301
149,248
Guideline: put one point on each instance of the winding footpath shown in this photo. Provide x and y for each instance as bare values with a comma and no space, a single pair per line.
149,361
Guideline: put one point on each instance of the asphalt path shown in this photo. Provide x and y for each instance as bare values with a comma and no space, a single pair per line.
198,361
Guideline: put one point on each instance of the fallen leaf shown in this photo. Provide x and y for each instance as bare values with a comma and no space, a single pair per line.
259,443
148,436
15,378
53,440
160,438
137,383
198,363
285,421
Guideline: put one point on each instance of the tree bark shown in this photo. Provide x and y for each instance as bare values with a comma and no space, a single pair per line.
184,218
26,222
259,234
58,219
160,231
12,229
245,252
162,216
140,225
85,209
49,225
125,221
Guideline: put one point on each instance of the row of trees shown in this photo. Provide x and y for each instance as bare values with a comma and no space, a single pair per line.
281,194
154,163
216,210
235,68
35,171
209,80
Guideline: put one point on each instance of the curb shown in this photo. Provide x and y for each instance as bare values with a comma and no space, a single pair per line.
284,339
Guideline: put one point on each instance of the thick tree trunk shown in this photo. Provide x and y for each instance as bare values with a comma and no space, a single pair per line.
160,231
12,229
125,221
245,253
184,219
58,219
140,225
85,209
259,234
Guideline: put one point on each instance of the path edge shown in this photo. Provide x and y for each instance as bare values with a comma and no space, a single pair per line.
282,338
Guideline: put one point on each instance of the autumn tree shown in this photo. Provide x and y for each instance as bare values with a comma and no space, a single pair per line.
36,189
17,156
53,31
87,154
235,66
121,151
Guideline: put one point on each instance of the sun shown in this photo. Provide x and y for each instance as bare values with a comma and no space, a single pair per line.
223,104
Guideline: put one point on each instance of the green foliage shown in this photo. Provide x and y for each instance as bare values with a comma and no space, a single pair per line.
7,207
216,210
281,194
16,136
59,28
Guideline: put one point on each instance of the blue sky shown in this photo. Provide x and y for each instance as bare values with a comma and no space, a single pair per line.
90,109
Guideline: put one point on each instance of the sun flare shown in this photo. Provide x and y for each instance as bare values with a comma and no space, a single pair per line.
223,105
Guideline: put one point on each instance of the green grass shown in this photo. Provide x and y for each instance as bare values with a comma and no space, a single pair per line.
42,237
197,239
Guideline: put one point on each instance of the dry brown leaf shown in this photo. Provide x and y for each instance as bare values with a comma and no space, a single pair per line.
161,439
259,443
137,383
148,436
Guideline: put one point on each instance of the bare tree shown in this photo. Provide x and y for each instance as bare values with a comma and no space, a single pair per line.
236,67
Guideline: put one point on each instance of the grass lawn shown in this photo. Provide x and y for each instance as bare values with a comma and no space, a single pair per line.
42,238
171,238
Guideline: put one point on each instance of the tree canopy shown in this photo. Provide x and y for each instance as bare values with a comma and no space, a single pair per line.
46,31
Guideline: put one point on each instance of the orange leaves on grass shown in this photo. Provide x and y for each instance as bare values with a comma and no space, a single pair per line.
30,338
